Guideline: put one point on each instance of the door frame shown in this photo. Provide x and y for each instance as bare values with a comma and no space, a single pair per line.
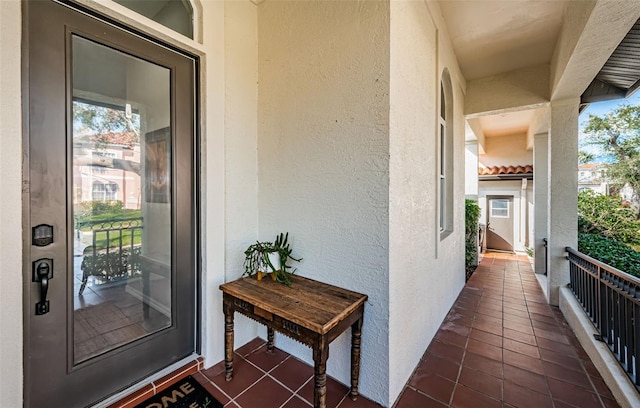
512,217
196,176
487,188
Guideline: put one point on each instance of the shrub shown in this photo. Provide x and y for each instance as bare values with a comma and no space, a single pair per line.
472,214
611,252
605,215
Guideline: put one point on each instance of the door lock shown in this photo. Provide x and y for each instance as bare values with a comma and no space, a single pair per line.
42,272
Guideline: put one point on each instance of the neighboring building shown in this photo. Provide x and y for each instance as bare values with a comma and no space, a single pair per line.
341,122
97,179
591,176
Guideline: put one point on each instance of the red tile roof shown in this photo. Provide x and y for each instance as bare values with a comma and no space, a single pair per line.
495,170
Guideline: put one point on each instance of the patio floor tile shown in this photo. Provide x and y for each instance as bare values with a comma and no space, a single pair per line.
501,345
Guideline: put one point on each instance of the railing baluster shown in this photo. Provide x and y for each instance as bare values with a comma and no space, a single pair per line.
599,301
629,330
636,343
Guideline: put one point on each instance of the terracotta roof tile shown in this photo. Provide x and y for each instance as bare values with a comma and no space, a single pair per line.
495,170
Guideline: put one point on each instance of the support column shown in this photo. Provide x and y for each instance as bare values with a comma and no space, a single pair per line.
562,223
471,170
540,199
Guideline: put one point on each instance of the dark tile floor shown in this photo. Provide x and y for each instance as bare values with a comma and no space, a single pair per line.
501,345
271,380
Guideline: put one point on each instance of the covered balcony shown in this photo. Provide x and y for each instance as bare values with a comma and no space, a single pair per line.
501,345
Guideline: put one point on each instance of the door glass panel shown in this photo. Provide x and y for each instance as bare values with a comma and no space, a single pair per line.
121,197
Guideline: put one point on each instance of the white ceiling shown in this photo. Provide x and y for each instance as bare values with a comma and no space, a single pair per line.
495,36
503,124
491,37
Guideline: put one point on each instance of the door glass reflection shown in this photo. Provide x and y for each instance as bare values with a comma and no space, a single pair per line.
121,198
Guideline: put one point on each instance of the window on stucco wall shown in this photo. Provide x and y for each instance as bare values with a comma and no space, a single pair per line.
174,14
445,159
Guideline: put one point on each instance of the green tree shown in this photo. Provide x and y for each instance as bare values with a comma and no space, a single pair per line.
584,157
99,120
618,134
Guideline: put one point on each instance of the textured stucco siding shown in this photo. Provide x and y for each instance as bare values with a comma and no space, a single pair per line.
425,272
323,159
10,206
240,148
508,150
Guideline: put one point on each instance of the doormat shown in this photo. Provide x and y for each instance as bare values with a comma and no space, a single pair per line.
184,393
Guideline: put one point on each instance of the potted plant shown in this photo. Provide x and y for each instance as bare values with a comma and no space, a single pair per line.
270,258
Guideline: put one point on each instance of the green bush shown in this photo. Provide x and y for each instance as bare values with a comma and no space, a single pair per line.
611,252
605,215
88,213
472,214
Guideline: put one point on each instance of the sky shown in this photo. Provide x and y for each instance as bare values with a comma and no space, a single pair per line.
599,109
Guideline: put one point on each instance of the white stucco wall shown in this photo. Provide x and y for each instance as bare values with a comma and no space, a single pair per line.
241,151
419,262
508,150
10,206
323,155
471,169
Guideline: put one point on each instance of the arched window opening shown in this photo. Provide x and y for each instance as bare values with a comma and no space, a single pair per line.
445,159
174,14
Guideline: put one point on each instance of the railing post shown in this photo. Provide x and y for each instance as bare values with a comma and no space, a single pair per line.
546,255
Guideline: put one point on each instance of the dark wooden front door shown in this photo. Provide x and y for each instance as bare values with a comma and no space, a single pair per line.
109,205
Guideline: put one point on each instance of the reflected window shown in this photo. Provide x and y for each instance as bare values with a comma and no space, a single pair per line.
174,14
104,191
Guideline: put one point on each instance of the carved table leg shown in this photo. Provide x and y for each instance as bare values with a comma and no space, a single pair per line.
228,342
356,339
269,339
320,357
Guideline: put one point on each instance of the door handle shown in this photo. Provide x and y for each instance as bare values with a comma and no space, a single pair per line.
42,273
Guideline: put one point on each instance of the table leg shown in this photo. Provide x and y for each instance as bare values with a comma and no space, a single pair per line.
269,339
320,356
356,340
228,342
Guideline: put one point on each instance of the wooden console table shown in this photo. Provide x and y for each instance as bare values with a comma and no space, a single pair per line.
311,312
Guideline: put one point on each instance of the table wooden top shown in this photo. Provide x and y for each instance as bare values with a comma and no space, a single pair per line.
311,304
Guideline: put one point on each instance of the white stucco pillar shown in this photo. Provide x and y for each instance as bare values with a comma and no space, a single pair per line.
540,198
471,169
562,225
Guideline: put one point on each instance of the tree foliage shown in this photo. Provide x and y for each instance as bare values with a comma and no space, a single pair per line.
472,214
100,120
584,157
618,134
606,216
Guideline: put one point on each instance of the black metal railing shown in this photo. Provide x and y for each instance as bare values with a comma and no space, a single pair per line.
545,242
611,299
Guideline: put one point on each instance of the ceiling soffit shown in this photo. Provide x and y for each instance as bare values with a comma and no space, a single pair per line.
493,37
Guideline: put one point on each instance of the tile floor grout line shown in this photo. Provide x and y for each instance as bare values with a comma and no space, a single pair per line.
247,389
219,389
300,388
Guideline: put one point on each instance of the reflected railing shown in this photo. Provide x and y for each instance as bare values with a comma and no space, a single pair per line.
115,250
